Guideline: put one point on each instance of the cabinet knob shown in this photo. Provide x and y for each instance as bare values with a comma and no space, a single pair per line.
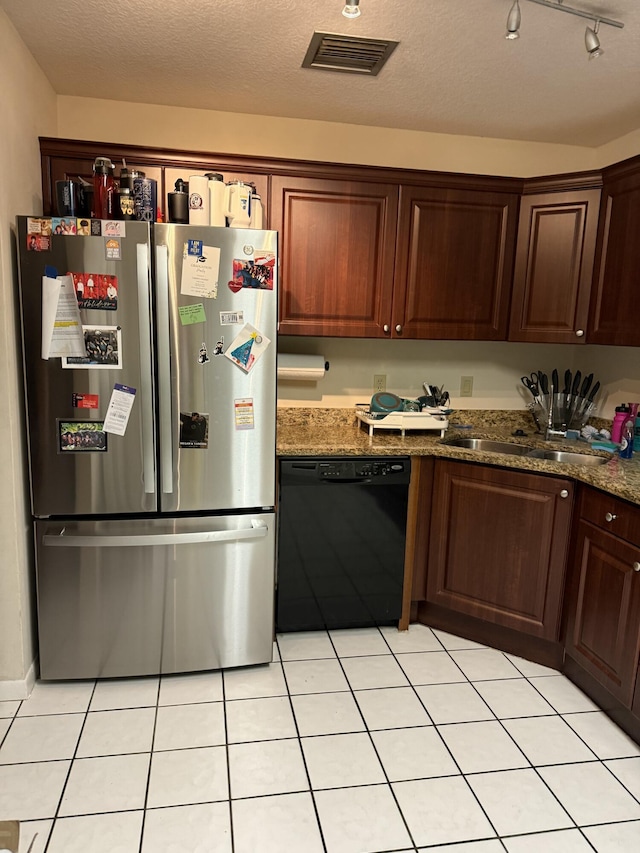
564,493
579,333
398,328
385,329
636,567
610,517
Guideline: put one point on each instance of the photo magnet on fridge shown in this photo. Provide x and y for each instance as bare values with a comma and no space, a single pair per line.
63,225
95,291
38,243
39,225
81,437
256,273
103,347
83,227
194,430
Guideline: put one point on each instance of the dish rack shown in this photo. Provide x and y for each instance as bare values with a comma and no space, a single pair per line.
428,419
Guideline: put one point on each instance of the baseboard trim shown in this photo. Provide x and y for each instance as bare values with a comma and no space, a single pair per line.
12,690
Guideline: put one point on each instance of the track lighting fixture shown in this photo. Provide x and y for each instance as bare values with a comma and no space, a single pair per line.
513,21
351,9
591,40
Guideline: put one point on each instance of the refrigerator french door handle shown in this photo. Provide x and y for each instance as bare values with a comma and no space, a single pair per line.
146,375
164,369
258,530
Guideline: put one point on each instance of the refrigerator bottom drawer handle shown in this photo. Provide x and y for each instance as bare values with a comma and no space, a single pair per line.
258,531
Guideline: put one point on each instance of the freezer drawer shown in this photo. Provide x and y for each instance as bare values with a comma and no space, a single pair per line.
141,597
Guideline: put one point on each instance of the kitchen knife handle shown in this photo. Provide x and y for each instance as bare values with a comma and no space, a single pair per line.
164,369
146,376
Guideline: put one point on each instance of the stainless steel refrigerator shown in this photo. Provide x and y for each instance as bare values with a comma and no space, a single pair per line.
155,545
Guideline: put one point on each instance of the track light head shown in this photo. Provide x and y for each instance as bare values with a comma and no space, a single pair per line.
351,9
513,22
592,42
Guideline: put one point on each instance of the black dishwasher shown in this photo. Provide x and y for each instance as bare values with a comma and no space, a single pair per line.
341,541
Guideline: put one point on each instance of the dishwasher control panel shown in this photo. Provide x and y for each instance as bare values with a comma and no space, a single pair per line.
351,470
358,469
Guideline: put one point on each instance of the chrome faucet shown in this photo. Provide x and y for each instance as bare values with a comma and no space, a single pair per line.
551,432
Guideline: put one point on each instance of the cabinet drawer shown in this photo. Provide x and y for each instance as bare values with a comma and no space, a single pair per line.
616,516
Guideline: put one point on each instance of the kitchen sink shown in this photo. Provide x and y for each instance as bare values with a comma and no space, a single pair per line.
488,444
509,447
567,456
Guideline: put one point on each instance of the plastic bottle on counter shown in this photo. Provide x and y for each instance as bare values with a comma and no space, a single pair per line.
636,435
620,417
626,440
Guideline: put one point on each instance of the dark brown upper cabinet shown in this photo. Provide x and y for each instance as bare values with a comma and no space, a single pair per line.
554,266
337,242
614,317
454,263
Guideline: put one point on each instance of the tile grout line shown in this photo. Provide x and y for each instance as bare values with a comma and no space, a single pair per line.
148,783
66,781
226,751
444,743
304,759
371,741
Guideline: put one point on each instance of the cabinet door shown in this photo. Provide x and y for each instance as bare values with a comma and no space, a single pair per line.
337,243
554,266
498,546
615,307
454,263
603,623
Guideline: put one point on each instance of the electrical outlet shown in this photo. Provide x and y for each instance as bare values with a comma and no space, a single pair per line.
379,382
466,386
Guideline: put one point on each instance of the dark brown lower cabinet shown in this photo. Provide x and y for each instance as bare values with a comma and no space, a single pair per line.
498,544
603,611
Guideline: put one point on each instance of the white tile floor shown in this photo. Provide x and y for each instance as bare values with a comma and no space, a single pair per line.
357,741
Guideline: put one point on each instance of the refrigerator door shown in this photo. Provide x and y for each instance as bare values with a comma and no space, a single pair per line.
138,597
230,411
122,477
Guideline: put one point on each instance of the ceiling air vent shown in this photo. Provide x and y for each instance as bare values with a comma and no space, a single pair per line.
346,53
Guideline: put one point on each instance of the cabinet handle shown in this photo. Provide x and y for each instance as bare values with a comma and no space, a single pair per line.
579,333
385,329
636,567
610,517
398,328
564,493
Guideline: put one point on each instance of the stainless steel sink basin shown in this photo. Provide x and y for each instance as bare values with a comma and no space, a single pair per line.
509,447
490,445
568,457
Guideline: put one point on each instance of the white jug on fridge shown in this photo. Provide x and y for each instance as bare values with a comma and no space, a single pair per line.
238,204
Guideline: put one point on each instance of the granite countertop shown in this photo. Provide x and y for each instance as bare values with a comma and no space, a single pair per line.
337,432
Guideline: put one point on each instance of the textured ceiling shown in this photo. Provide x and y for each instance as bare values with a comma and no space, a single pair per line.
453,72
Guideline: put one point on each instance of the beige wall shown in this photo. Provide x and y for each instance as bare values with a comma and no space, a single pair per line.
28,108
496,369
206,130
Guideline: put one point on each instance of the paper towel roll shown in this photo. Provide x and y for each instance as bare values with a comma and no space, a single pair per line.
300,368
